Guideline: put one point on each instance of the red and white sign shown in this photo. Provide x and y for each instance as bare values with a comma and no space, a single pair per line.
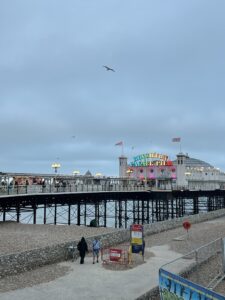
136,234
137,227
115,254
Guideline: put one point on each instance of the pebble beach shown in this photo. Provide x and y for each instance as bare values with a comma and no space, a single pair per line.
16,237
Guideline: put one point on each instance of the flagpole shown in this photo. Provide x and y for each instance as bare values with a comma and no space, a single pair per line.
120,144
177,140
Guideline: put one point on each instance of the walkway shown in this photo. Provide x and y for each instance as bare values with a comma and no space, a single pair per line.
90,281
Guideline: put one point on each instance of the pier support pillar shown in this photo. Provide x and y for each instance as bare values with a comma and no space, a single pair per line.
120,214
134,216
4,214
116,203
44,214
18,213
55,214
85,214
105,212
97,213
125,213
78,213
195,205
34,214
148,218
69,214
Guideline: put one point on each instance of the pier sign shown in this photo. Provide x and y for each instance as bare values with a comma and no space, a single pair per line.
136,238
151,159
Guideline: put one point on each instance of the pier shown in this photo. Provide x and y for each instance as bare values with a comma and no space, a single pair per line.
109,202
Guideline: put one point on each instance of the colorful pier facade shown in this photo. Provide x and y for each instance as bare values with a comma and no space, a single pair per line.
157,171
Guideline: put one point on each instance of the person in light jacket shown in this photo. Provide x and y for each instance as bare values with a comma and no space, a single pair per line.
96,246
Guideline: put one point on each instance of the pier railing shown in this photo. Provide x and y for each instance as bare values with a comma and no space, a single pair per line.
78,188
200,270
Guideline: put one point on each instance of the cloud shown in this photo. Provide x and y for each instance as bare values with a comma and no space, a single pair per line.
169,63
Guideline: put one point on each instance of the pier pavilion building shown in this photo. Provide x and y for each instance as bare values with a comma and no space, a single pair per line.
157,171
150,170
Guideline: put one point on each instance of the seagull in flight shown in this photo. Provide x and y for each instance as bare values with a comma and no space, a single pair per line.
108,68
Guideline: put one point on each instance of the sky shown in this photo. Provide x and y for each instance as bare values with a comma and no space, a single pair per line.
59,104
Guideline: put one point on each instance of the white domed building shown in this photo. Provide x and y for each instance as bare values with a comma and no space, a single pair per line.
196,174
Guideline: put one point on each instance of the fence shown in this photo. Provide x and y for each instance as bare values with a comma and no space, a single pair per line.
121,257
204,266
33,189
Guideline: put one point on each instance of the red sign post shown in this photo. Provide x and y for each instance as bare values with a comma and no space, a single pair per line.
186,225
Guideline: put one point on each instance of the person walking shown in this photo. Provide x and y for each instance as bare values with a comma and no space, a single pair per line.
96,246
82,248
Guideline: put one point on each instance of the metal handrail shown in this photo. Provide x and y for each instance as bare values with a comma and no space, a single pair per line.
191,252
78,188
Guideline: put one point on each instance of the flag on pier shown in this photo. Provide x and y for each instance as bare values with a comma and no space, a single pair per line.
119,143
176,139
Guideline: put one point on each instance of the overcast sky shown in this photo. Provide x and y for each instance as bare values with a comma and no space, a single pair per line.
57,102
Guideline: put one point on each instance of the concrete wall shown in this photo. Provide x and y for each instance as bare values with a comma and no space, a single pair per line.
21,262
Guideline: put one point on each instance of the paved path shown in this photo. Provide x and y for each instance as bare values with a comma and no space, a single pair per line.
90,281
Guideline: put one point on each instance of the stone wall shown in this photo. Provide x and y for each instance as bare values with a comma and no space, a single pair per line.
27,260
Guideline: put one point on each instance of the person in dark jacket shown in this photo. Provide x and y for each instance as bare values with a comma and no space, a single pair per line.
82,248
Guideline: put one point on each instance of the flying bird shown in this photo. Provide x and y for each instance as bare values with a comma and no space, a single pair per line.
108,68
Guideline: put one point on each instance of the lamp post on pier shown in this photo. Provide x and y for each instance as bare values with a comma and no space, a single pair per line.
76,172
129,172
56,166
76,181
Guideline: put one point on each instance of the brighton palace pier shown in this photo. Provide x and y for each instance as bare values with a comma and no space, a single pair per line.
149,170
149,188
